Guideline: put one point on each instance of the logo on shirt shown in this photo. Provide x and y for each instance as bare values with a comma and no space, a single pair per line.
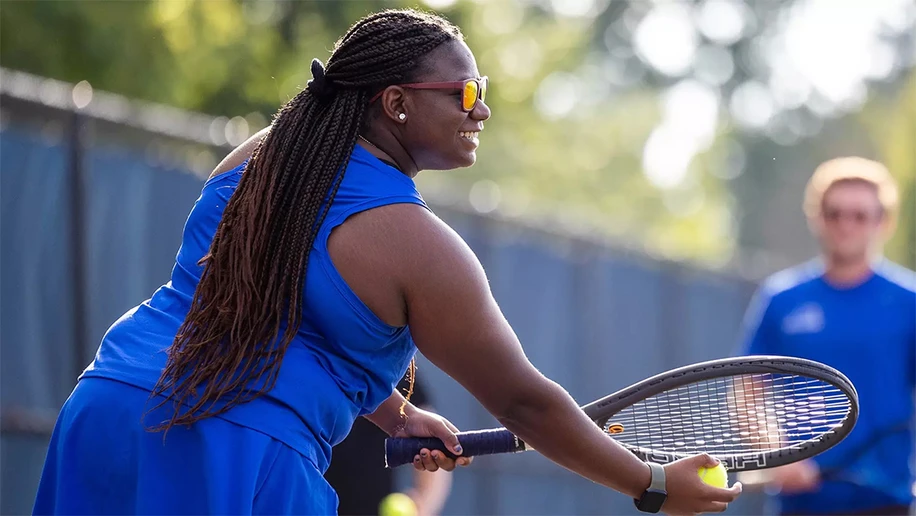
808,318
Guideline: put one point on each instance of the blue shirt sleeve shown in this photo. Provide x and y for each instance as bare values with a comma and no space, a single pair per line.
758,333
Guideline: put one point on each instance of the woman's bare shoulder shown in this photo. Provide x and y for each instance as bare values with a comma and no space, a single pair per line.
240,153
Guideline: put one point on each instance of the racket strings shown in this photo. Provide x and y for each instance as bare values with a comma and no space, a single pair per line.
734,416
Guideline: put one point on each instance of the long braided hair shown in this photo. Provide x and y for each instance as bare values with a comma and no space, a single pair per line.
229,348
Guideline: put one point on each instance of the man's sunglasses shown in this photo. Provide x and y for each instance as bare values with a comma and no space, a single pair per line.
857,216
472,90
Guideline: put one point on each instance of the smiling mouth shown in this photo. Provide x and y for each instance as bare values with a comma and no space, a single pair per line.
470,135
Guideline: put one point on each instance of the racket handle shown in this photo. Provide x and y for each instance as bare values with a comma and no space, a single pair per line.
402,450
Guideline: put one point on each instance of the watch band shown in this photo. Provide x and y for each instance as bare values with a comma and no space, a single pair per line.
656,494
658,477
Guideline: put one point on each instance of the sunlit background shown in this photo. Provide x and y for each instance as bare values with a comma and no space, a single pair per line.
679,134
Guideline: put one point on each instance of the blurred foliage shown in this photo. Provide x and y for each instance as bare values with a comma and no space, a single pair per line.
574,102
892,125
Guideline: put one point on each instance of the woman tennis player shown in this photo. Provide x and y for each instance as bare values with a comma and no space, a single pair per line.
309,273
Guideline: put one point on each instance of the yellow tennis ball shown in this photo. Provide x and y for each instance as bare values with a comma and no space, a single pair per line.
397,504
716,476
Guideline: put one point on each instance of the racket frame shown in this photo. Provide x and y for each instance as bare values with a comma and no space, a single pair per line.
603,409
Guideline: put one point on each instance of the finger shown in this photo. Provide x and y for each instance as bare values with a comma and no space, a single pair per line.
736,490
707,460
724,495
464,461
450,426
443,461
427,460
417,463
447,436
702,460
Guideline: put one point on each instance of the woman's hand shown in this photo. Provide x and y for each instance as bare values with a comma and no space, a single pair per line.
420,423
689,495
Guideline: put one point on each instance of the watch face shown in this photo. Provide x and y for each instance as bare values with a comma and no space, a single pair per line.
651,501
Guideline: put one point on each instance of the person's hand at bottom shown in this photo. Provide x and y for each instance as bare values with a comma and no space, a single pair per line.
421,423
688,494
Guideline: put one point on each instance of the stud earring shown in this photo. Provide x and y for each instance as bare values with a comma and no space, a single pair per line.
402,116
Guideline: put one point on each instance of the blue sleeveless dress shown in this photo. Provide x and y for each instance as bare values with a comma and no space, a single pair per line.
266,456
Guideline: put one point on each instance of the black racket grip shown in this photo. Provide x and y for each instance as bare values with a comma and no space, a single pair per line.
402,450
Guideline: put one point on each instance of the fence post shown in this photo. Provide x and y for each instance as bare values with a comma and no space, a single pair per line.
77,189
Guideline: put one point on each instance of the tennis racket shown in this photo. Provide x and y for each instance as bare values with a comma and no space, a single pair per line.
750,413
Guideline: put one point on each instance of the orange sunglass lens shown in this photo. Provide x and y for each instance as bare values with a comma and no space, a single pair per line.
469,96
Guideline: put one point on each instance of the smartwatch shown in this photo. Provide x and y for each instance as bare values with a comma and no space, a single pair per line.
654,497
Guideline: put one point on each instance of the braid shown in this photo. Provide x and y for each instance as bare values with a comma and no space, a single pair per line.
248,304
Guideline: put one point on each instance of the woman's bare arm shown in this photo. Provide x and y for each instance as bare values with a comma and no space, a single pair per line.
457,324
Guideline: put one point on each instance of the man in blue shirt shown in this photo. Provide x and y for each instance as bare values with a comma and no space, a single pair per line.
854,311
